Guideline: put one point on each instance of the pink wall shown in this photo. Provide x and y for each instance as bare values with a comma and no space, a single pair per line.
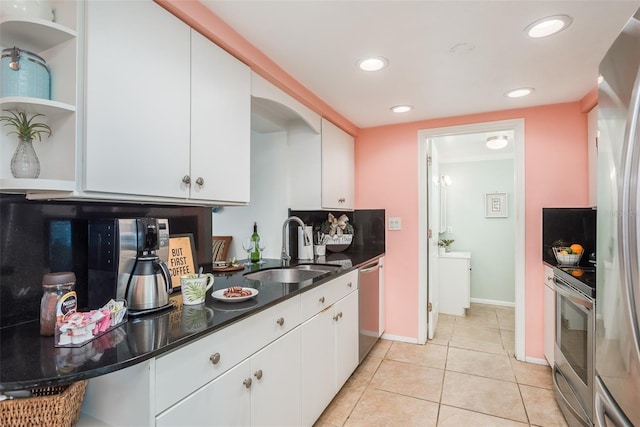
555,175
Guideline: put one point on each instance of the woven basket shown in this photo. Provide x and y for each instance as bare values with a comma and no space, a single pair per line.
55,406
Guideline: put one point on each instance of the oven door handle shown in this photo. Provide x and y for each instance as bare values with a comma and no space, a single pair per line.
582,303
554,374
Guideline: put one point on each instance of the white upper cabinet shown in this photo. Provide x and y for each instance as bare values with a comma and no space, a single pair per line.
137,100
321,168
337,168
56,42
220,124
167,112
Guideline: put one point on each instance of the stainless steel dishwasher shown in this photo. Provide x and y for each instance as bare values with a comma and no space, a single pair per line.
369,306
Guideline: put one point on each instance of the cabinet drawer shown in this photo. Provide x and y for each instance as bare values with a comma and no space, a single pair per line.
317,299
184,370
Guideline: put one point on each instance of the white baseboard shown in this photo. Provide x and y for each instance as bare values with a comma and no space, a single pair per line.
493,302
536,360
399,338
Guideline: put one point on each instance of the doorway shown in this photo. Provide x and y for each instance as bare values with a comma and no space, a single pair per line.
427,243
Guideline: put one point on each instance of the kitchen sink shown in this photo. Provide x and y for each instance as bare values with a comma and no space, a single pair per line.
295,274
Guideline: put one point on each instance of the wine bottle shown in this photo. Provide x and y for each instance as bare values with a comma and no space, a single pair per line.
255,238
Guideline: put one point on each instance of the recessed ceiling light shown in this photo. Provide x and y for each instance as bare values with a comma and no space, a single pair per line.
401,108
517,93
497,142
374,63
547,26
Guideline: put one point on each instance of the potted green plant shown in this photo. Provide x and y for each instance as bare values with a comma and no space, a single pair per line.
444,244
25,163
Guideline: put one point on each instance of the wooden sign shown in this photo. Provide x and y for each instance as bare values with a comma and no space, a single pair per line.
181,257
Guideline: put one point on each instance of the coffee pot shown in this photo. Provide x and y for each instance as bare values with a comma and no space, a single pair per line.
149,285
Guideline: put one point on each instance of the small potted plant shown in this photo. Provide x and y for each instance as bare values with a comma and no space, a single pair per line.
443,245
25,163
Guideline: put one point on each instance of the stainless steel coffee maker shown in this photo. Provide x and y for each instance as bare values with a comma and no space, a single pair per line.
128,260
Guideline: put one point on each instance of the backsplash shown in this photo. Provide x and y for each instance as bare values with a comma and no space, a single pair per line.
39,237
368,224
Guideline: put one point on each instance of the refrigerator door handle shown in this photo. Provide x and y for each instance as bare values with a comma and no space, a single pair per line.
604,406
628,230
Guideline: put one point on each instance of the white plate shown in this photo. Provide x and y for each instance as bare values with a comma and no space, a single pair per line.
219,295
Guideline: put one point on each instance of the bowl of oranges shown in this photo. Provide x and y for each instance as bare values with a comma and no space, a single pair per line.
568,255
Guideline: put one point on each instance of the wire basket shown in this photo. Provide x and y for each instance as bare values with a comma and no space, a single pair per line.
566,259
54,406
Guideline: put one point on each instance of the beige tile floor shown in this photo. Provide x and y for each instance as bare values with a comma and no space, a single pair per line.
466,376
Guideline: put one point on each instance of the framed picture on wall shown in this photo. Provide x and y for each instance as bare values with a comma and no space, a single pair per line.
495,205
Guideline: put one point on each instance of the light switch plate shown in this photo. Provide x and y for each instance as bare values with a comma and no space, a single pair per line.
395,223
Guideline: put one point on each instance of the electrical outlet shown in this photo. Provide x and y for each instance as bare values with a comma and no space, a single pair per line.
395,223
450,229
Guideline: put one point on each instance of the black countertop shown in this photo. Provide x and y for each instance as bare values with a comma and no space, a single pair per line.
29,360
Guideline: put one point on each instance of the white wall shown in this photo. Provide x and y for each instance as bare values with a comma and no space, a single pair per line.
269,203
490,240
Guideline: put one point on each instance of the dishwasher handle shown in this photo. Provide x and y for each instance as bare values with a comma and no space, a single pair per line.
370,267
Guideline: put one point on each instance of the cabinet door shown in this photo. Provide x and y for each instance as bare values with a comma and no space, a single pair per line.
454,284
337,167
318,365
220,123
275,389
347,352
225,401
549,320
137,99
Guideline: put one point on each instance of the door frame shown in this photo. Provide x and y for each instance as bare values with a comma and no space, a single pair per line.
517,126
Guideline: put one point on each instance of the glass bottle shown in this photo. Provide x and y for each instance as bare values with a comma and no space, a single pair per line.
255,238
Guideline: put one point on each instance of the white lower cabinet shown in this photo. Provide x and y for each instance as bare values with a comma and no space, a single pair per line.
279,367
329,355
264,390
454,283
549,320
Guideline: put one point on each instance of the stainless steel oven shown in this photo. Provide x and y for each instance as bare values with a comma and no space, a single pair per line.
573,373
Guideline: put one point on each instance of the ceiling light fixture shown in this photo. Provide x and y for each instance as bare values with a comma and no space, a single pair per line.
374,63
517,93
401,108
547,26
497,142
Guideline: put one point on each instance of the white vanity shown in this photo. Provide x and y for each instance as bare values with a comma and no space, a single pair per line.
454,282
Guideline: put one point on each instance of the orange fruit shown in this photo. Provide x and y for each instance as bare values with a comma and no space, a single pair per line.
577,248
576,273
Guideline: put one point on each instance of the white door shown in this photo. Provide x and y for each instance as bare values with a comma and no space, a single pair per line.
137,100
276,382
318,365
347,351
433,220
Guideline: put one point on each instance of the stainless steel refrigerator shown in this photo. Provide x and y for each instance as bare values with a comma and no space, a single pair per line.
617,358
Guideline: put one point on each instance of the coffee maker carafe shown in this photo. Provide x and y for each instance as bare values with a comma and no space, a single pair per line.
127,260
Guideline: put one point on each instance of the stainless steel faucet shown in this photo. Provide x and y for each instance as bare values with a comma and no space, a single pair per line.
286,258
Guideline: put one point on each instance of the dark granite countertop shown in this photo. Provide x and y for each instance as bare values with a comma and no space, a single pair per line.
29,360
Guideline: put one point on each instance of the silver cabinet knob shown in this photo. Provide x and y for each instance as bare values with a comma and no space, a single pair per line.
186,179
247,383
337,316
349,284
280,321
200,181
550,279
215,358
321,300
258,374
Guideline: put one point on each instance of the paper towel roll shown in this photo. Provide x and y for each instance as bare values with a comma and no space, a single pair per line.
305,252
